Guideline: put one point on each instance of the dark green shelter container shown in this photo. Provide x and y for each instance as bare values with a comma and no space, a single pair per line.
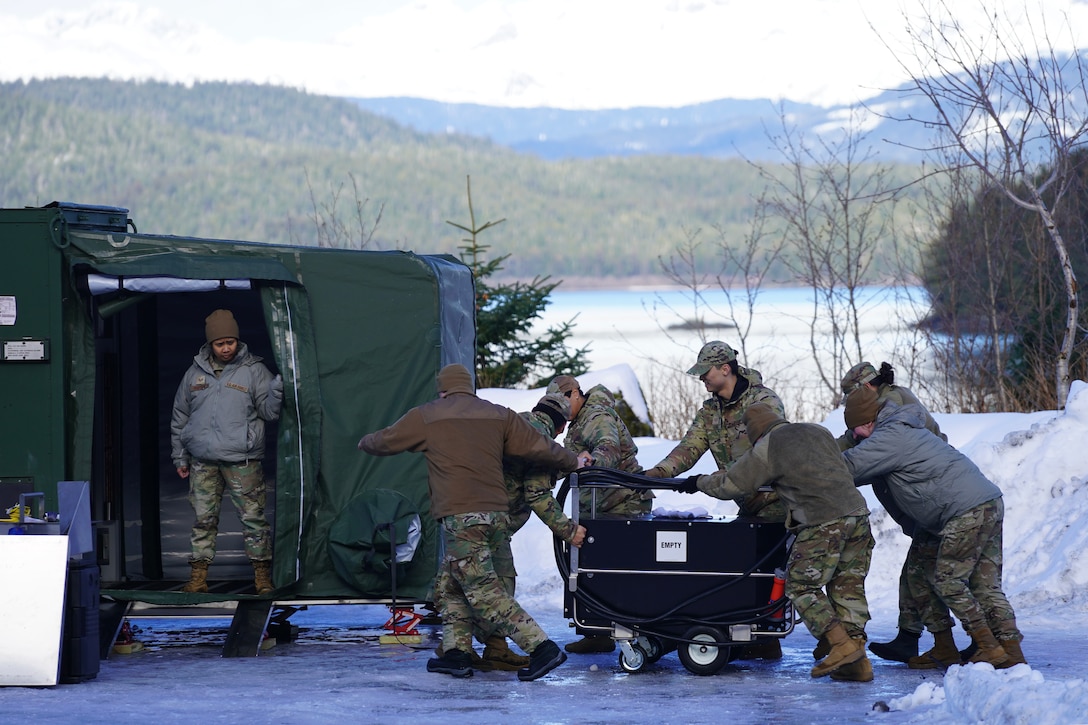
98,323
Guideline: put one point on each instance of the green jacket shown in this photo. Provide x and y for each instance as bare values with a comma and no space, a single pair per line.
718,427
599,430
802,462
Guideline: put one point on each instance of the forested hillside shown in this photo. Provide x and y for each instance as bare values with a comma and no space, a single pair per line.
250,162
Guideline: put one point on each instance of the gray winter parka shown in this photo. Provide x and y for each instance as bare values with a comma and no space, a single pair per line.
221,419
930,480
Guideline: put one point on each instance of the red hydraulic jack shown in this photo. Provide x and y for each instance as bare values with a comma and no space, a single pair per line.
403,625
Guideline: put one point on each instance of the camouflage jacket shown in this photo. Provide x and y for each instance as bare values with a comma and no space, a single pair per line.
530,487
599,430
718,428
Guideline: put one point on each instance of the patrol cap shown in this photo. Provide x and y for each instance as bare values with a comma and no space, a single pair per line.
857,376
556,406
714,354
564,385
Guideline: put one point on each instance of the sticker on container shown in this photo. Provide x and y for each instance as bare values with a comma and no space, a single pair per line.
7,310
672,546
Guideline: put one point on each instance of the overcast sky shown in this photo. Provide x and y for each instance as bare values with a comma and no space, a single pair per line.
558,53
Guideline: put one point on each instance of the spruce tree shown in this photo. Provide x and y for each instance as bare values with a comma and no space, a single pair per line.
509,353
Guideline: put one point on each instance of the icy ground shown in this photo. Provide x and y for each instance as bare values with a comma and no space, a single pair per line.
336,671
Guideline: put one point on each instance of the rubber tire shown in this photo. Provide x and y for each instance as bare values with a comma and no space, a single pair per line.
703,659
638,664
657,649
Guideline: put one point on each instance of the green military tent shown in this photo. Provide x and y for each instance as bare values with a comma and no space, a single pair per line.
100,321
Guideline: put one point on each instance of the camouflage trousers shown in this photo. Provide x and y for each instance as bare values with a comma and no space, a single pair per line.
834,557
471,592
919,604
244,482
967,570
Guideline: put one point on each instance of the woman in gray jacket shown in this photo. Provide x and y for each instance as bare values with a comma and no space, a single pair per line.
217,443
949,497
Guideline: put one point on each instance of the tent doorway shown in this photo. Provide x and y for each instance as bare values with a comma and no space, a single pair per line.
142,349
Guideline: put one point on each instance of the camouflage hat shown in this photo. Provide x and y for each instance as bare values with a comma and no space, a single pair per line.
714,354
556,406
563,385
857,376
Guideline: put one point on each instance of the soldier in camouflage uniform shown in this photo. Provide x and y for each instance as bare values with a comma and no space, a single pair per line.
600,438
825,576
597,432
465,440
217,442
949,497
530,489
719,427
916,596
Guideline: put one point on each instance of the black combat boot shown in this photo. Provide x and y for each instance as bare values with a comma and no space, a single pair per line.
900,649
545,658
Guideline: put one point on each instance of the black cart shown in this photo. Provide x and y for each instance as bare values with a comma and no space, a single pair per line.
702,587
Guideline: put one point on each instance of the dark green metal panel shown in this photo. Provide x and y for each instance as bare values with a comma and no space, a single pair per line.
32,405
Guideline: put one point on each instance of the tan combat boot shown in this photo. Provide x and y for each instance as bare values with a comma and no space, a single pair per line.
844,650
262,576
1013,650
498,655
989,649
591,644
943,655
198,578
860,671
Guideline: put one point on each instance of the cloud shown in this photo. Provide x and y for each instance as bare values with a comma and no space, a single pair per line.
559,53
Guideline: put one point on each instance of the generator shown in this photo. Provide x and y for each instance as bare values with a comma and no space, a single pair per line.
700,586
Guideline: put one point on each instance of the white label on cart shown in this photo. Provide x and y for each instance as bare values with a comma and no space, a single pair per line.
672,546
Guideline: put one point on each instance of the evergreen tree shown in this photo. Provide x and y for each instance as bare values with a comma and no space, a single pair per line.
508,352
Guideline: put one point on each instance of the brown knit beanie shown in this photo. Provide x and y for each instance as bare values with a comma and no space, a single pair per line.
758,419
861,407
220,324
455,378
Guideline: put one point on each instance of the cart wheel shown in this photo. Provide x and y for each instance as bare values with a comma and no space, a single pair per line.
703,659
636,662
655,649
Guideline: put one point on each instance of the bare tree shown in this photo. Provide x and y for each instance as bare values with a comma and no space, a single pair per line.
1015,110
827,205
335,228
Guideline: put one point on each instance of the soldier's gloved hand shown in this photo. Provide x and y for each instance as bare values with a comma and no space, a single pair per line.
275,388
688,485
